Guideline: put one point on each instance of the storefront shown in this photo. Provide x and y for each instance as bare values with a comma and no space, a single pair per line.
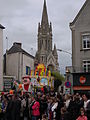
81,82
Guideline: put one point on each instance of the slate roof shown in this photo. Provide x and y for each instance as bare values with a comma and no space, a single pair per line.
72,23
2,27
16,48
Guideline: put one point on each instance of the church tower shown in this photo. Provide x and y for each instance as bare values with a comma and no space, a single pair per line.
45,42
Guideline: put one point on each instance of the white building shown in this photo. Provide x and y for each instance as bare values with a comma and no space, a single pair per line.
17,62
1,57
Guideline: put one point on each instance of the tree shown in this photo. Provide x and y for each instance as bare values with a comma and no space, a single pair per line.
58,79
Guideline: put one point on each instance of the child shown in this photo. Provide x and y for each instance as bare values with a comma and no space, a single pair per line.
82,115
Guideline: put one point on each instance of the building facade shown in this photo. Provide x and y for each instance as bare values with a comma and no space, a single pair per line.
45,54
18,62
80,28
1,57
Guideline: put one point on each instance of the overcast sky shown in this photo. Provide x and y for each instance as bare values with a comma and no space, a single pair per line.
21,17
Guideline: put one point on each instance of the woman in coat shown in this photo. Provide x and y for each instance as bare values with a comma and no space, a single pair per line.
35,110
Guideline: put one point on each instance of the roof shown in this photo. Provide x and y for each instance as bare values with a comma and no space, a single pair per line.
17,48
72,23
2,27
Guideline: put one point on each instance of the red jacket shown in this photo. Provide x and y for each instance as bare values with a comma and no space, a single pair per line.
35,109
82,118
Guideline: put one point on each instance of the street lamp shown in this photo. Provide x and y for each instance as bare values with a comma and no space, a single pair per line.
68,73
64,51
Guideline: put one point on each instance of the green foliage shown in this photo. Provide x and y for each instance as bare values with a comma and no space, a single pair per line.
58,78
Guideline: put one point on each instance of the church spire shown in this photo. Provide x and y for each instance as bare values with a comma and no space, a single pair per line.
44,21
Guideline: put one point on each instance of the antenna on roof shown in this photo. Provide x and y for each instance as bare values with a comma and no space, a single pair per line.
7,42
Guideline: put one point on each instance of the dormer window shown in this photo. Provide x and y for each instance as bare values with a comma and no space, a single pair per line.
86,41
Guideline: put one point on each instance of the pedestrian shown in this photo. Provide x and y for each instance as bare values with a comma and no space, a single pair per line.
82,115
65,115
44,117
35,109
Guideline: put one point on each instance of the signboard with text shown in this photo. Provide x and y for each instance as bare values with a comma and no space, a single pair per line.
8,84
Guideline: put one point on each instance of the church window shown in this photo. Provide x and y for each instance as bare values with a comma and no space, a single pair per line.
46,59
42,58
46,44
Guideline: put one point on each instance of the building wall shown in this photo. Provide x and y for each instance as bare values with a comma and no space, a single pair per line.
1,59
82,25
27,61
12,62
16,64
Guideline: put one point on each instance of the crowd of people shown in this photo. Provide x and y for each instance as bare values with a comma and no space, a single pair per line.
42,106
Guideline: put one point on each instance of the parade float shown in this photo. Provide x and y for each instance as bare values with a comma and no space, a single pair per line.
38,79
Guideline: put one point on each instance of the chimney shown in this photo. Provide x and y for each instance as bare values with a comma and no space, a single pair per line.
17,44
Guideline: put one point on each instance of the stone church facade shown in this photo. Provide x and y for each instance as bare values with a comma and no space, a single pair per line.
45,54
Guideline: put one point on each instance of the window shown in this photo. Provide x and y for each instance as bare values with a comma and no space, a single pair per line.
86,65
42,58
27,70
86,41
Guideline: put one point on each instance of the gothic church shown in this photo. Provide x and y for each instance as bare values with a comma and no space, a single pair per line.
45,54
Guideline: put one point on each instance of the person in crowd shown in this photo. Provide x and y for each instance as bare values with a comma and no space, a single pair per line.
60,105
54,107
74,106
68,99
86,100
26,108
35,109
39,100
43,104
82,115
52,93
64,114
44,117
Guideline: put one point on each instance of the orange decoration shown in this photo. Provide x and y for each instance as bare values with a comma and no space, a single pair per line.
11,92
20,86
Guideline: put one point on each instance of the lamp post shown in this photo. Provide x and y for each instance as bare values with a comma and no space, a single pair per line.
64,51
68,72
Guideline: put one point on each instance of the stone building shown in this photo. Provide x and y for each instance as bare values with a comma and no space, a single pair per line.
80,28
17,62
45,53
1,57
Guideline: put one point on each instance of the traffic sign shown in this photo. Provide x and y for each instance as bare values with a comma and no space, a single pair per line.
68,84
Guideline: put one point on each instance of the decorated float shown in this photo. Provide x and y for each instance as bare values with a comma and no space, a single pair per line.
38,79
